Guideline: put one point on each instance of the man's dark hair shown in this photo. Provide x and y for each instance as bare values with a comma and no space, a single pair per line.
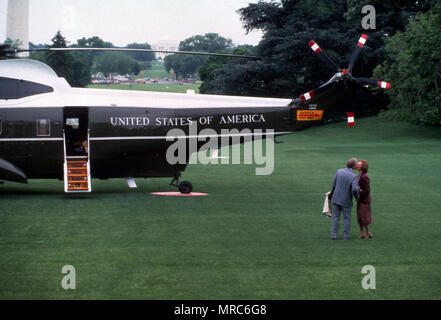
351,163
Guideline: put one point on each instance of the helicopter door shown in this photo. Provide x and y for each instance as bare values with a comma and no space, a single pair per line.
76,150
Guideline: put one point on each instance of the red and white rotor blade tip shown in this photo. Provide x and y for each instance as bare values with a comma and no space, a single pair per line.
351,119
315,47
307,96
321,54
384,85
362,40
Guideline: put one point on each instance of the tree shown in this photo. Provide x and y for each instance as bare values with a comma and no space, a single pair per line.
186,65
38,55
288,26
391,17
209,42
208,70
115,62
144,58
141,56
183,65
73,67
15,44
81,72
60,61
92,42
415,70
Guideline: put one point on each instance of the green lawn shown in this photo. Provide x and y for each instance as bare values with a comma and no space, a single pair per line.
253,237
159,87
157,71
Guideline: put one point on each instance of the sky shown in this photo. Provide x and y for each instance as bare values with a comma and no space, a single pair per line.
126,21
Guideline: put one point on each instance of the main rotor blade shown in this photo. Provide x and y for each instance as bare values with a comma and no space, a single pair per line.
328,61
311,94
13,51
381,84
356,52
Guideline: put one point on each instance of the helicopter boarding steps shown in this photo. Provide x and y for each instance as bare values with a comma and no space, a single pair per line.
76,173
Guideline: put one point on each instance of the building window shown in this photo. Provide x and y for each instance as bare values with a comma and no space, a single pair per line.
43,127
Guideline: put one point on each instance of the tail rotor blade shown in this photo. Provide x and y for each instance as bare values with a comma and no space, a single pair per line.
358,48
381,84
328,61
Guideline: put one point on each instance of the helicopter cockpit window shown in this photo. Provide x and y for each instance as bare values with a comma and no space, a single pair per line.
16,88
43,127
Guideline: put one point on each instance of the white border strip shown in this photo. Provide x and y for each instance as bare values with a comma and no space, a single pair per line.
154,137
31,139
188,137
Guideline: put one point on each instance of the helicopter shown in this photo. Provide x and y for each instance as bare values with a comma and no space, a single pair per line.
50,130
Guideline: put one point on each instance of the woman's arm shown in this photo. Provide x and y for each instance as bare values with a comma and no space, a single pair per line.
364,186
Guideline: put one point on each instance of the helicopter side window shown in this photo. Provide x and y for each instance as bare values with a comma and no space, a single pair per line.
74,123
16,88
43,127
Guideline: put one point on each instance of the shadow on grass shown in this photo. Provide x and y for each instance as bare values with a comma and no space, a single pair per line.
106,189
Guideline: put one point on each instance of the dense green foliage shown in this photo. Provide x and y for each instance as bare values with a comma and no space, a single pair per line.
115,62
415,69
289,25
144,58
78,66
92,42
15,44
187,65
70,65
287,28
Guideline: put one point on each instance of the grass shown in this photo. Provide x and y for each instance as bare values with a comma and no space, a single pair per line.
157,71
159,87
253,237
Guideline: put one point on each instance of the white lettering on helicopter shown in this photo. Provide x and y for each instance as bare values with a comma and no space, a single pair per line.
129,121
252,149
186,121
173,121
242,118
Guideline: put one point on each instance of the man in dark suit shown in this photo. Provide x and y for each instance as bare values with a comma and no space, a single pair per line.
344,187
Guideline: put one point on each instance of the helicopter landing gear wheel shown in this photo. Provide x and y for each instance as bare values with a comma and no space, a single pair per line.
185,187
